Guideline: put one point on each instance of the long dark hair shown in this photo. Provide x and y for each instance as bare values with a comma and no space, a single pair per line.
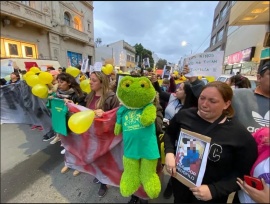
191,100
73,84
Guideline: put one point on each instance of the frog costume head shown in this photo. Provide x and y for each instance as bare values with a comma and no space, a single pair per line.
135,92
136,121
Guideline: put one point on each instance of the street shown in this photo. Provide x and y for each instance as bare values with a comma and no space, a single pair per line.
30,172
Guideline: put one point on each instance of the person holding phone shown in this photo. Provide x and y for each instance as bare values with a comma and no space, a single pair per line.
255,188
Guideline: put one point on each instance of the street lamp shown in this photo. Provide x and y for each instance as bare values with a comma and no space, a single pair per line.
185,43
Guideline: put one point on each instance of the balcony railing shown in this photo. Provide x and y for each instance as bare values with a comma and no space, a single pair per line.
26,13
69,32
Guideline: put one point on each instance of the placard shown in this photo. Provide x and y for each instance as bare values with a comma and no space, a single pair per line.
205,64
191,157
166,72
97,67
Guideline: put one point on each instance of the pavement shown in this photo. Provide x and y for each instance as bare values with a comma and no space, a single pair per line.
30,172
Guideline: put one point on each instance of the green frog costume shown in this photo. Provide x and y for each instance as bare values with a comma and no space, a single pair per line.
136,121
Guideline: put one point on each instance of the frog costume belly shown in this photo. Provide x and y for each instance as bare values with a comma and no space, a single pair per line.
140,141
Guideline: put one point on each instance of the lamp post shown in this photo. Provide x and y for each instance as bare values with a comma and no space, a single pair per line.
185,43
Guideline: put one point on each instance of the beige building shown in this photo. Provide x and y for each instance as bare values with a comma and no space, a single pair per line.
60,31
248,40
120,54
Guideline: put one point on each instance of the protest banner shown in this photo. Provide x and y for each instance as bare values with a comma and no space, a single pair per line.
205,64
191,157
97,152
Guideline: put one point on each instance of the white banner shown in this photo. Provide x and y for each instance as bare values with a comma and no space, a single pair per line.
205,64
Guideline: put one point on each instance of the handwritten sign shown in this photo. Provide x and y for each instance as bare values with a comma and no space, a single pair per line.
205,64
191,157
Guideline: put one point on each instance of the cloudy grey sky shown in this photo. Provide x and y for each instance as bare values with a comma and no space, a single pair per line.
160,26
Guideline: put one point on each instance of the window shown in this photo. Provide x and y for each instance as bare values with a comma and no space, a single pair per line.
76,24
217,49
213,40
67,19
27,3
220,34
12,48
88,26
128,58
223,12
216,22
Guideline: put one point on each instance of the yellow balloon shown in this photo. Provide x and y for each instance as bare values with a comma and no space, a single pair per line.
7,78
108,69
45,77
80,122
32,80
35,70
40,90
85,85
73,71
29,73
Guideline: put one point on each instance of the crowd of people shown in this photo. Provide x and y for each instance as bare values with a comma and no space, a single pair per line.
235,117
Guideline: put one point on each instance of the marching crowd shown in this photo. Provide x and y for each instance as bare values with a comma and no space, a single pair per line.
235,117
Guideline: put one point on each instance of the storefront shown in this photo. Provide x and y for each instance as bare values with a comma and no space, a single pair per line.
241,62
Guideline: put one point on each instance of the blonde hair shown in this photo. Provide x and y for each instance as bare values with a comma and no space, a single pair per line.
104,80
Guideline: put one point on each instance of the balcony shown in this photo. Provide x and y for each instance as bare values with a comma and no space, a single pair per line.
20,12
69,32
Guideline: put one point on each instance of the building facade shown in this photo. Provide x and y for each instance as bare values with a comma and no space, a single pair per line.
120,54
48,30
220,26
248,38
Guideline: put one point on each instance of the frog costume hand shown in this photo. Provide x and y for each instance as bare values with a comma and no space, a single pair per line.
136,121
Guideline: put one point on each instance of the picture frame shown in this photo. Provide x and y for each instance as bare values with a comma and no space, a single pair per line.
191,157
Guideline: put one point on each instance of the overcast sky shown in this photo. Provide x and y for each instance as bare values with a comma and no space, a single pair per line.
160,26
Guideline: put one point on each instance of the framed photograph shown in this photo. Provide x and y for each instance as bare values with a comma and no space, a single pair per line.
13,49
28,50
191,157
166,72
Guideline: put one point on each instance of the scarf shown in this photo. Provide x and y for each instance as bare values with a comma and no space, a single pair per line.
65,94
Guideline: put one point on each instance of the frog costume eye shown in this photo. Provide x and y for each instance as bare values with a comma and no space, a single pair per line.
144,84
126,83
